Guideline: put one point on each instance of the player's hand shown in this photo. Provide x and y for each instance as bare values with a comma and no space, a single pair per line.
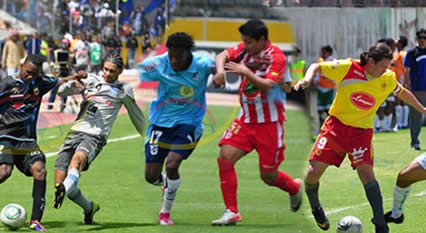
78,85
301,84
80,75
219,80
240,68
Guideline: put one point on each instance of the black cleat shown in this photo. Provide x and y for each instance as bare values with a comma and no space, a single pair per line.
389,218
321,219
88,218
59,195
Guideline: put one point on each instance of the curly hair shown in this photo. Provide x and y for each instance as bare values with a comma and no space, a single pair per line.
180,40
35,59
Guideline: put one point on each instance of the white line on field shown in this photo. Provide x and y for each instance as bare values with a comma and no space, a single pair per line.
50,154
338,210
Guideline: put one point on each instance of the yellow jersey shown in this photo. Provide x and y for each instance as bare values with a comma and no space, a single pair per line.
358,97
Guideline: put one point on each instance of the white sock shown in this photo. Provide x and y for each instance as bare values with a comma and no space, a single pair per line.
398,115
405,112
387,121
399,197
170,194
71,180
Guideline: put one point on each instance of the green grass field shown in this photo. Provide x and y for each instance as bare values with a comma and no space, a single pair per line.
129,204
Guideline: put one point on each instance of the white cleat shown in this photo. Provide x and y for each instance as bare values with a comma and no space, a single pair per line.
165,219
296,199
228,218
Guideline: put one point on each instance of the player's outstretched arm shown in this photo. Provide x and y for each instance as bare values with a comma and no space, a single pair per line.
219,78
135,114
408,98
307,80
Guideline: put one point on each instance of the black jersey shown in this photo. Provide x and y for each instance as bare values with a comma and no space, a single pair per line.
20,105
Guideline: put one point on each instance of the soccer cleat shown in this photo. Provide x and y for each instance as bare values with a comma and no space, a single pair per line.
36,226
228,218
165,219
59,195
389,218
296,199
415,147
88,218
321,218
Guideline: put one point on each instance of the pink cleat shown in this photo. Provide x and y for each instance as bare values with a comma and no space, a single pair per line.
165,219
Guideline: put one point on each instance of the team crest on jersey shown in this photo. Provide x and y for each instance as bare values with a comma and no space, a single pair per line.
36,91
1,148
14,90
383,86
362,100
186,91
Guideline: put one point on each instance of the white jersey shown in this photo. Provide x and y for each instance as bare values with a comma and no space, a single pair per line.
101,104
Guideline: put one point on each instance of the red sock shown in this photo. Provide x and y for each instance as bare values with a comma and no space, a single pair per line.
286,183
228,184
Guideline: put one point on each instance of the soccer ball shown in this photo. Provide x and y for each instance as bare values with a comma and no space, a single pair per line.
13,216
349,224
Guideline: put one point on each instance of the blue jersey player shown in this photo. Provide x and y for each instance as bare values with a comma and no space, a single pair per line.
176,115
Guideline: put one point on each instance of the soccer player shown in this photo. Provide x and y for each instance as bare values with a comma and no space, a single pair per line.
20,99
362,86
260,126
414,172
176,115
103,98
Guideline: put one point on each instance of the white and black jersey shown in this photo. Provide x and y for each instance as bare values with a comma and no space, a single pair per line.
20,104
101,104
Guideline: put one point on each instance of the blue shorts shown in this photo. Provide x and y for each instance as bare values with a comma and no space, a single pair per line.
181,139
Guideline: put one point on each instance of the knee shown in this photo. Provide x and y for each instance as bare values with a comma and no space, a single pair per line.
404,179
268,178
5,172
38,170
152,179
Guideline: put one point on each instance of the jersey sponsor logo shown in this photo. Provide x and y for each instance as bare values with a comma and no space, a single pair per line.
186,91
362,100
19,106
359,74
150,67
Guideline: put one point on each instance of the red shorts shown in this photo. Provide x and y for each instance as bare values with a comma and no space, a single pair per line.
266,138
336,140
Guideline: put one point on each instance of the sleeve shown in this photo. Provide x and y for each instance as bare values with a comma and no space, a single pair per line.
67,89
276,69
47,83
409,60
135,114
148,70
335,70
236,52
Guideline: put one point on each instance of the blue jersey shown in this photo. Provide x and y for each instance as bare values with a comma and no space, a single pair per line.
181,95
416,60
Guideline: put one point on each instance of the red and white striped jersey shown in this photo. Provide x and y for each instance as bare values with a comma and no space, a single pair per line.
258,106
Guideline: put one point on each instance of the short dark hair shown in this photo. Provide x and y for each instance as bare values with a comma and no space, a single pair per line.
180,40
376,52
388,41
35,59
254,28
403,41
116,59
421,31
327,48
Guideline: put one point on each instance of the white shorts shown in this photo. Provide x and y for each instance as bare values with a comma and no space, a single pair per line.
421,159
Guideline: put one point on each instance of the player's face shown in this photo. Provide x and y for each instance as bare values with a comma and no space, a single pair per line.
252,46
29,71
377,69
111,72
422,40
178,58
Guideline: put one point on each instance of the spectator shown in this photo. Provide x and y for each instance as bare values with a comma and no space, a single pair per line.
139,21
13,52
132,45
96,55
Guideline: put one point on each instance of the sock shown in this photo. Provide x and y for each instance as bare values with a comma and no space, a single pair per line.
39,192
228,184
312,193
399,197
170,194
377,123
398,115
405,113
286,183
372,190
71,180
77,197
387,121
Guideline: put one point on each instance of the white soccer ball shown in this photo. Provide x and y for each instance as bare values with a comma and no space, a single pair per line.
349,224
13,216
